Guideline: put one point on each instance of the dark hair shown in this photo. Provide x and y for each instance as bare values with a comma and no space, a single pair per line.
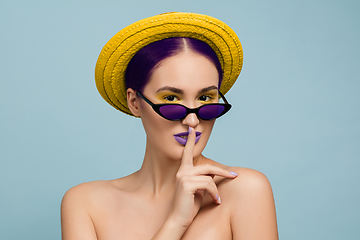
143,63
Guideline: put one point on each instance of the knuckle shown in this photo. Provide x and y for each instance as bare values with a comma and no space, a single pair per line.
182,178
209,178
179,175
209,167
186,178
186,185
211,183
208,184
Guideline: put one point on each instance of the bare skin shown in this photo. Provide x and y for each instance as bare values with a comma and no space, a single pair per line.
177,193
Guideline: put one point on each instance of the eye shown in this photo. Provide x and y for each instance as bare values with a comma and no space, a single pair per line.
171,98
206,98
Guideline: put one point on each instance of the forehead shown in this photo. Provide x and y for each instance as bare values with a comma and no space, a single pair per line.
187,70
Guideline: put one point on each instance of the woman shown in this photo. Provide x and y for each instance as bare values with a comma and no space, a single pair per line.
170,71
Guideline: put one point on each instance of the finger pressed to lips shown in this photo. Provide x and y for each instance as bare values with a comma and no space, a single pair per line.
200,177
187,158
204,169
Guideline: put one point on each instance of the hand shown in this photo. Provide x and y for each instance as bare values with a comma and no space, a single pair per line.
191,184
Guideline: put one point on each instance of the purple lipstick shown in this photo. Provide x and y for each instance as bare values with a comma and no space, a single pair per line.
183,137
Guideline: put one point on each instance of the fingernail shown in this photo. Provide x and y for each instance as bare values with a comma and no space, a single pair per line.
217,197
219,200
233,173
189,129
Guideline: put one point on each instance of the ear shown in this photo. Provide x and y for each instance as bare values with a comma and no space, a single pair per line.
133,102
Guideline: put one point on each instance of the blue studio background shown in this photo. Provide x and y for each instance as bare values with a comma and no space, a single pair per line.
295,113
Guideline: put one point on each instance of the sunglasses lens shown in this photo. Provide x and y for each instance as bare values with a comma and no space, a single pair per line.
173,112
208,112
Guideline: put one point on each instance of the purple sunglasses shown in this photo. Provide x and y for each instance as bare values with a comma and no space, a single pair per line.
174,112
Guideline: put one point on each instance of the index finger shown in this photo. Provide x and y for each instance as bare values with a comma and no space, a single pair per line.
187,157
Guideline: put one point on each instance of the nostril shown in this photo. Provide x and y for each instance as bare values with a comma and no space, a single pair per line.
191,120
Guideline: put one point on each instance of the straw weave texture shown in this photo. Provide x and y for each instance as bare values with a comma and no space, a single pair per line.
117,53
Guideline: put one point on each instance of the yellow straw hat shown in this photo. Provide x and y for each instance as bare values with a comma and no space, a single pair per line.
119,50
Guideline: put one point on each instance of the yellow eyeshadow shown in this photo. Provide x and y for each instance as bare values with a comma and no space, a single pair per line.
211,97
162,97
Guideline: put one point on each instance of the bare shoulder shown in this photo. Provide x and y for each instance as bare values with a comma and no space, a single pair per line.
85,192
76,221
250,203
89,194
249,186
250,180
80,201
82,204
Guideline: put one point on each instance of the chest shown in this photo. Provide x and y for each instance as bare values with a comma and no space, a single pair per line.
137,219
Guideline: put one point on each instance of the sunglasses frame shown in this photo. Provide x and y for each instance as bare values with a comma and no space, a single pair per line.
157,107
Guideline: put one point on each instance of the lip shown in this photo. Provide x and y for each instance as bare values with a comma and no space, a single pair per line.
182,141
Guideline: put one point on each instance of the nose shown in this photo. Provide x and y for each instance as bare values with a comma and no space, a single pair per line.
191,120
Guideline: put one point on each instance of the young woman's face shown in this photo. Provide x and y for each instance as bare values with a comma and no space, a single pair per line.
189,79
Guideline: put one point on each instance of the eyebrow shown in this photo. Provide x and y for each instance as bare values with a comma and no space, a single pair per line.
172,89
177,90
208,89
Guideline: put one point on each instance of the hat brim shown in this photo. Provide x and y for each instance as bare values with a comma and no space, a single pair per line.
119,50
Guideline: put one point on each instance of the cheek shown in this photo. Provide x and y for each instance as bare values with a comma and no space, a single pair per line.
151,120
157,128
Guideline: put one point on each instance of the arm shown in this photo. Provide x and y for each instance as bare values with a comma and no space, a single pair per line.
76,223
253,215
